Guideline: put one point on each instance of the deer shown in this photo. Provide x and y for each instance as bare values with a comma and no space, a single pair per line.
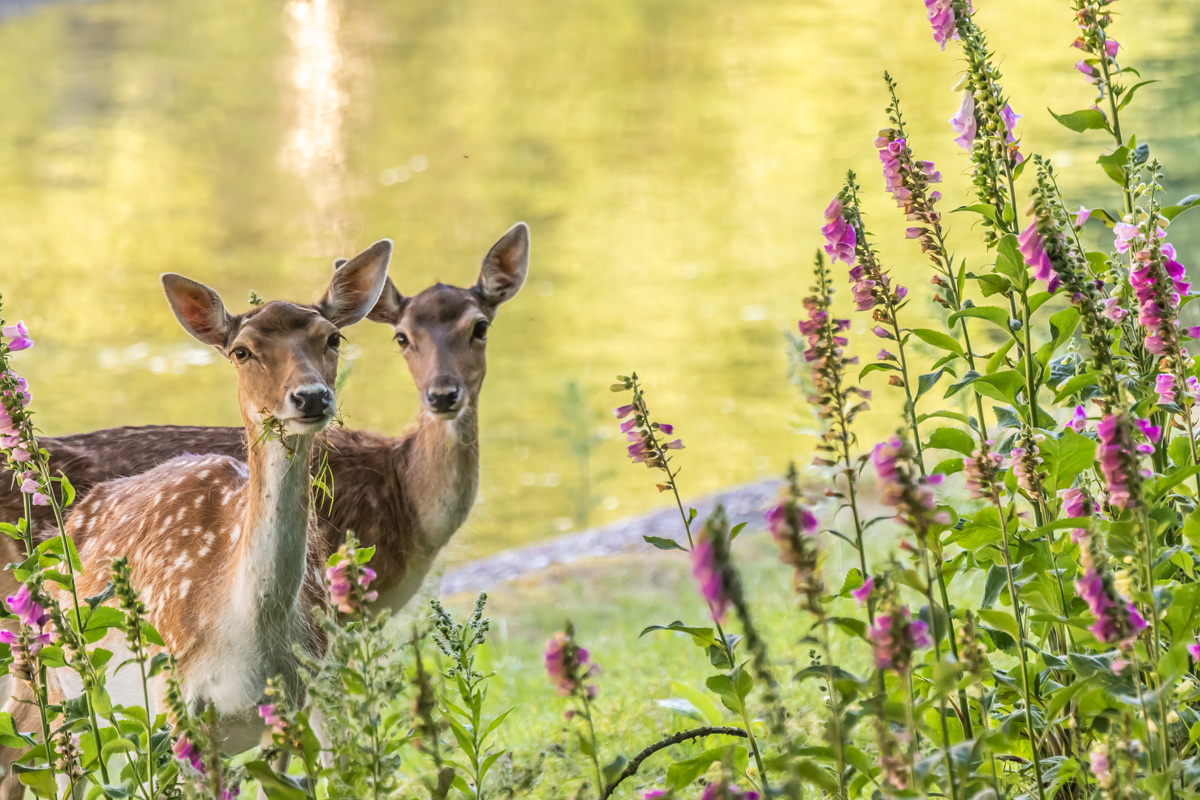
222,550
405,496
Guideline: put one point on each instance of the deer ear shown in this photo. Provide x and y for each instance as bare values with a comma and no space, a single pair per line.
390,306
338,263
356,285
504,267
198,308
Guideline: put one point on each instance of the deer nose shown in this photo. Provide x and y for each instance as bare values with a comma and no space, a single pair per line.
443,400
313,401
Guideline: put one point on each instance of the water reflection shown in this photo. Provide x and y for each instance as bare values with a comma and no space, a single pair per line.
672,157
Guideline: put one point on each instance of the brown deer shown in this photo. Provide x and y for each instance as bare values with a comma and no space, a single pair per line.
405,496
219,548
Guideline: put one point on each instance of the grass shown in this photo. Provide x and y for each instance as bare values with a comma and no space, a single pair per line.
611,601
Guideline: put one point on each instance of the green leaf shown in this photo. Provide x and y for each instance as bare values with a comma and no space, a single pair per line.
1114,164
1159,487
38,779
1089,119
105,617
1189,202
954,415
1076,455
994,583
954,439
1010,262
700,701
928,381
993,314
1073,385
1000,620
682,773
980,208
733,533
100,700
878,366
702,636
1180,451
996,360
950,466
729,689
10,736
938,339
663,543
611,770
118,745
274,785
1128,98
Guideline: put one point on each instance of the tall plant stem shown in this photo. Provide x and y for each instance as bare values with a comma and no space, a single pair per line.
1152,648
587,714
858,529
937,654
68,549
835,712
1116,123
1015,599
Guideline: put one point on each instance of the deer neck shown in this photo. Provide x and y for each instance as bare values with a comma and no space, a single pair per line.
443,473
270,552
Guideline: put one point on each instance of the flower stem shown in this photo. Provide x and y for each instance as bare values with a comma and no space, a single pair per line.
1015,599
587,714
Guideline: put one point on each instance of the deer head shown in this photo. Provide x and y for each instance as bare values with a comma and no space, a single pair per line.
442,331
286,354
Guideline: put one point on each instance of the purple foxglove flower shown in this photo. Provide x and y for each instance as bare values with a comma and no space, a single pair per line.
10,441
914,233
1164,384
1110,48
675,444
1114,452
840,236
270,715
1077,503
895,636
1082,217
20,343
940,14
20,454
623,411
1078,420
1033,248
29,486
884,355
1150,431
187,751
863,593
1090,73
1113,311
963,123
15,331
1194,649
628,425
1011,119
1098,762
26,608
40,499
665,428
653,794
1124,233
708,575
881,332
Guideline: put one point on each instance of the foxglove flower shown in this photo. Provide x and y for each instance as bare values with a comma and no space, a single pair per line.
647,445
901,487
186,751
794,528
909,181
863,593
1119,461
1078,419
567,665
896,635
1098,762
823,343
1117,619
1090,73
722,790
349,581
981,472
840,236
1032,247
1026,465
964,123
18,336
940,14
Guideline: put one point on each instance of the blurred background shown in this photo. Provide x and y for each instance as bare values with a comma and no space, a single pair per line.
672,158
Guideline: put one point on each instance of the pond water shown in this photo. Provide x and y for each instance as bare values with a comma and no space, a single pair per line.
672,158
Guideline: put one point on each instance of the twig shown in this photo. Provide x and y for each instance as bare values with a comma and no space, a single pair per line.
682,736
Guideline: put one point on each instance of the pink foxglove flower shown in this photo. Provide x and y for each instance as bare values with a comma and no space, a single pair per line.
863,593
1090,73
940,14
896,635
840,236
1194,649
981,472
567,665
963,122
1078,420
708,576
1119,461
18,335
1032,247
186,750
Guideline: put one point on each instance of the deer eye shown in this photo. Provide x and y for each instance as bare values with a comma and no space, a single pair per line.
481,329
402,339
240,354
335,341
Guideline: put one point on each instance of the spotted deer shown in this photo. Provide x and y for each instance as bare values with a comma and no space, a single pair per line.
222,551
405,495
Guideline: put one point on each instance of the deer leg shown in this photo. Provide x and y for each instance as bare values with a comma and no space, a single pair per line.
316,718
281,760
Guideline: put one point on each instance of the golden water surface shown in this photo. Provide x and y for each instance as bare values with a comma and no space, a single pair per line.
672,158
